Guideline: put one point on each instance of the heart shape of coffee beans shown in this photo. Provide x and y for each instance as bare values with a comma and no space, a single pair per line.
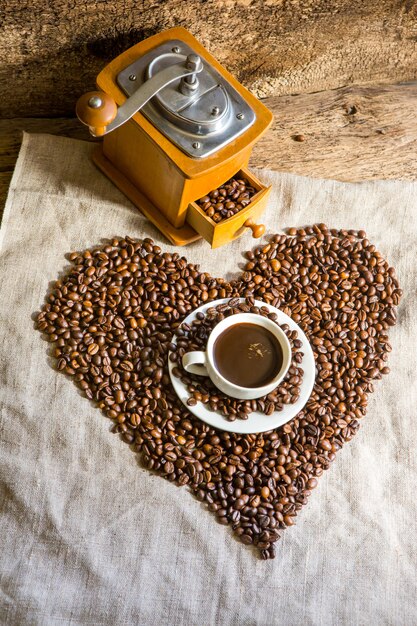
112,319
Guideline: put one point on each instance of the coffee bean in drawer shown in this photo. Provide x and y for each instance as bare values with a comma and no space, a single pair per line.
227,200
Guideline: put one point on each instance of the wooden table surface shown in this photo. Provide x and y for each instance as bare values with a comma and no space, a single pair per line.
352,134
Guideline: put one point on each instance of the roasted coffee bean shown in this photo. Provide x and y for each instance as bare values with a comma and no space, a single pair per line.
112,320
235,194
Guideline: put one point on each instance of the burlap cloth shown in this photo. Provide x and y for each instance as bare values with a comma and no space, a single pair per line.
88,537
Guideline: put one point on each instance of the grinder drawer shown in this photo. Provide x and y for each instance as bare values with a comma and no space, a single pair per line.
219,233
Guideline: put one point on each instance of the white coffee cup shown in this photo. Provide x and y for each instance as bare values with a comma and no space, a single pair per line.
202,363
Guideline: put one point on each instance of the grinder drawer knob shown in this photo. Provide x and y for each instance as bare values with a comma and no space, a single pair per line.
257,229
97,110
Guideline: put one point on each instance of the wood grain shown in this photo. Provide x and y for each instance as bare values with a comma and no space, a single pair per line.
51,52
351,134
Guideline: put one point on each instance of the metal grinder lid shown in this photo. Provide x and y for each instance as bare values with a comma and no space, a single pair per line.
201,119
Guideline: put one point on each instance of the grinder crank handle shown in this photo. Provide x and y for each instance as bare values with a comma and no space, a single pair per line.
99,111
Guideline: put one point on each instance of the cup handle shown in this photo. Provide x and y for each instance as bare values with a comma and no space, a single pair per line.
195,363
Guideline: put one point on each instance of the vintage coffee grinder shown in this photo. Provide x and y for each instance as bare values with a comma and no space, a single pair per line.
176,125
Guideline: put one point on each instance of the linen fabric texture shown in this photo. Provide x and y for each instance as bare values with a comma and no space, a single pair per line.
89,537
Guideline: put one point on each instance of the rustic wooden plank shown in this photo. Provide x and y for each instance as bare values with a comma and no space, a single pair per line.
52,51
351,134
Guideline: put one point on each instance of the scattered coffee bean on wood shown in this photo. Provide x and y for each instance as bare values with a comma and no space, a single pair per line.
195,336
129,298
227,200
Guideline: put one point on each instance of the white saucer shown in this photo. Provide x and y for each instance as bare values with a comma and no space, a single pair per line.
257,422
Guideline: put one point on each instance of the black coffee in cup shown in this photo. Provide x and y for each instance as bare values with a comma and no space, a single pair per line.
248,355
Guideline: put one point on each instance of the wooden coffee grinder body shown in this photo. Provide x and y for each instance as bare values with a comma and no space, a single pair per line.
159,177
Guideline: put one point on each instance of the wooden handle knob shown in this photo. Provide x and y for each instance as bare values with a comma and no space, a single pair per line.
257,229
96,110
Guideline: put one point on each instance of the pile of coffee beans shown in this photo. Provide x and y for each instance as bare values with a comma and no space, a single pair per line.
227,200
194,337
111,320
